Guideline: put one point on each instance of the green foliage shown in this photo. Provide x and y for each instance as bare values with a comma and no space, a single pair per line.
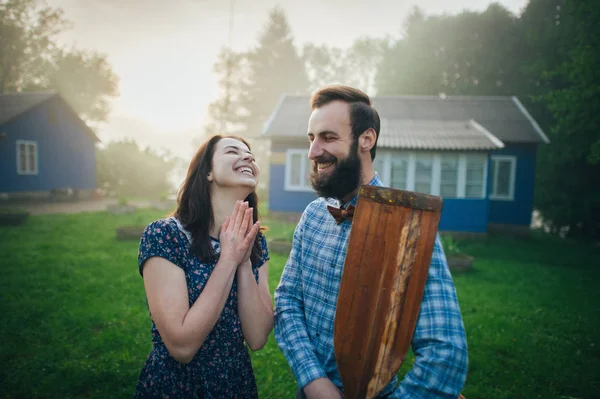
30,59
355,66
252,82
450,245
460,54
128,171
568,193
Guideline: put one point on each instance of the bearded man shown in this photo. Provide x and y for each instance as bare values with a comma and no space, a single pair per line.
342,131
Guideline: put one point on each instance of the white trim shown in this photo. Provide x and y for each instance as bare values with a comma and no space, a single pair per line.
412,168
513,172
28,170
436,171
462,176
535,125
304,164
487,133
484,189
458,176
484,163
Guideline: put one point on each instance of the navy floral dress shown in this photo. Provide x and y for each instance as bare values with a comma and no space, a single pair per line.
221,368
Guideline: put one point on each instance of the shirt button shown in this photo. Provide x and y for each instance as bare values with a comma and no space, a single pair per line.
332,265
326,300
318,334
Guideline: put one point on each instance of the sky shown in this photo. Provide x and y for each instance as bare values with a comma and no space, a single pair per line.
163,50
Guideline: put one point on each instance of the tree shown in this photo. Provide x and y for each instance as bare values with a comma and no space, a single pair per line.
126,170
226,111
469,53
566,71
252,82
355,66
31,60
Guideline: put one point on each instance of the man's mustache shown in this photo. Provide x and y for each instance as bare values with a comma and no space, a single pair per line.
324,159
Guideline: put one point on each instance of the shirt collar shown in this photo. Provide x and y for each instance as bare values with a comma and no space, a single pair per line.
375,181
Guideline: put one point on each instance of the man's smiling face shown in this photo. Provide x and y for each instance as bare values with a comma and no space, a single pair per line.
333,151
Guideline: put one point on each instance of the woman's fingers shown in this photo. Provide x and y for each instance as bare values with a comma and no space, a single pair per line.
250,220
249,240
241,208
247,222
233,216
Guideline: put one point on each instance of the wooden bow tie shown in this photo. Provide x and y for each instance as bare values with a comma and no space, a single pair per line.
340,214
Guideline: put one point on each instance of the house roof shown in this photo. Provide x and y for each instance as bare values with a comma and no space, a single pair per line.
427,122
13,105
436,135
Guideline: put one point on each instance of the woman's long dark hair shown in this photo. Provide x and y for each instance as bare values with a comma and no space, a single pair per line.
194,209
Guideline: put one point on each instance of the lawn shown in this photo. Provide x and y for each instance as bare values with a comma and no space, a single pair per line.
75,322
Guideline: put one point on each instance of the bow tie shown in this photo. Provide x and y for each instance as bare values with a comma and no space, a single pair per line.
340,214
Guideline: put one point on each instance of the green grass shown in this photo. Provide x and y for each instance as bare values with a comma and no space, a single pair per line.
75,322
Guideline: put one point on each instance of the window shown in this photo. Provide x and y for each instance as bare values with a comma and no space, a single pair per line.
503,170
297,171
423,173
449,176
476,176
27,157
399,171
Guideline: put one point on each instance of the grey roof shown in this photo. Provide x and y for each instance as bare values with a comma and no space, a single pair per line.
427,122
14,104
436,135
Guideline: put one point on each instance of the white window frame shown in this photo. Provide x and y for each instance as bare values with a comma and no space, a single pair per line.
458,175
304,164
511,184
385,174
484,186
28,170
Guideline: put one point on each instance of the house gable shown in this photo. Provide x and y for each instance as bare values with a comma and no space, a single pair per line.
62,145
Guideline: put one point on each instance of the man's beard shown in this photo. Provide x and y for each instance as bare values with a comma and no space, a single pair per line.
344,179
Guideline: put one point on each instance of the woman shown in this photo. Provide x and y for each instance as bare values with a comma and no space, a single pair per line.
205,273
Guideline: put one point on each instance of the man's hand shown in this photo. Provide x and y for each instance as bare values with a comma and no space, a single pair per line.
322,388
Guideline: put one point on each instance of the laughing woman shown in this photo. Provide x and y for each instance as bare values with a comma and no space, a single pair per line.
205,272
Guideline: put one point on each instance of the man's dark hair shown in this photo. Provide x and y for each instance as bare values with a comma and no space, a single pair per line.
362,114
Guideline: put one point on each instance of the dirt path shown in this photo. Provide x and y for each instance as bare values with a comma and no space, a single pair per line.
44,208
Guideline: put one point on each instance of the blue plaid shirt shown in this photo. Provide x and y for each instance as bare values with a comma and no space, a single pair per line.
306,298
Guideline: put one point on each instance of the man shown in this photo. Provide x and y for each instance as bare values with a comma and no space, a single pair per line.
343,130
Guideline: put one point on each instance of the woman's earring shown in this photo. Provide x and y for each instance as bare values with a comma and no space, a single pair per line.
209,177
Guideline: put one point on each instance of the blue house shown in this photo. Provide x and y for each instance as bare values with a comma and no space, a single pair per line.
45,148
478,153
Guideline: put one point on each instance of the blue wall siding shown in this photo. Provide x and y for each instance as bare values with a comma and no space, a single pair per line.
518,211
457,214
468,215
286,201
66,153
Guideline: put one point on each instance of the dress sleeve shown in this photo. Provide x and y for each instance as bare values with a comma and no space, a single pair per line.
161,238
264,254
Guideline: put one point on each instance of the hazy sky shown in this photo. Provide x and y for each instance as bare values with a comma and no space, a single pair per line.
164,50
